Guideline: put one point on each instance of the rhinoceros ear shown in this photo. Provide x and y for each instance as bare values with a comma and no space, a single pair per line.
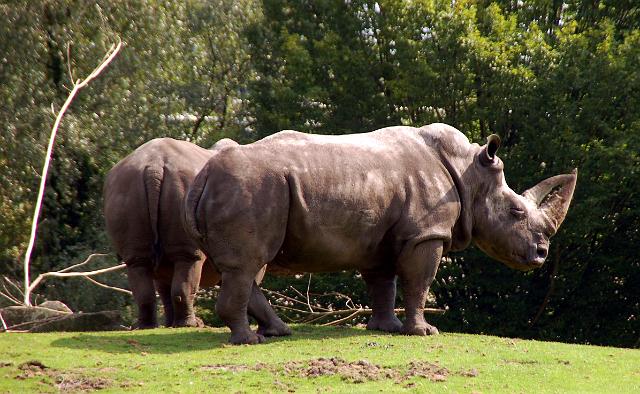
553,196
488,154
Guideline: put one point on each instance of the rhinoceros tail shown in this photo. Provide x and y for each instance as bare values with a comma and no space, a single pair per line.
153,176
191,205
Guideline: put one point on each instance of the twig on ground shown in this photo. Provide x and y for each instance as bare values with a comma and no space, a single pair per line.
339,315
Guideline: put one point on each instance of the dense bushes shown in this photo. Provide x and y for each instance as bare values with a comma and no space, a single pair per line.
558,81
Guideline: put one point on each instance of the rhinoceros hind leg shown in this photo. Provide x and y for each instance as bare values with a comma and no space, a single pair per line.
269,324
417,266
186,277
140,274
232,304
390,324
381,286
164,290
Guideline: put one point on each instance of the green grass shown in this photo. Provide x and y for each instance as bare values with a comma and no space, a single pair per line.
197,360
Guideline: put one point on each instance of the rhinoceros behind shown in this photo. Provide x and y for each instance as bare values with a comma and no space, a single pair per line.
387,203
143,200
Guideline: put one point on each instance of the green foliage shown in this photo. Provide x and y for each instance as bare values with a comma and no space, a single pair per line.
179,74
195,360
559,81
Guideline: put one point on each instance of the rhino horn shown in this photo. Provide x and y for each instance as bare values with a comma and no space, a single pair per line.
553,196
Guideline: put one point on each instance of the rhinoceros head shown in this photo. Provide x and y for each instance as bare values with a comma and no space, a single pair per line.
513,228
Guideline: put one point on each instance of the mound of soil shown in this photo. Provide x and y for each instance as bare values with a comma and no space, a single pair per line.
64,381
362,371
356,372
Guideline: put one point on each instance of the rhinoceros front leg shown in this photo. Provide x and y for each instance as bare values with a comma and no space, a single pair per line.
140,276
416,269
184,286
381,287
232,304
269,324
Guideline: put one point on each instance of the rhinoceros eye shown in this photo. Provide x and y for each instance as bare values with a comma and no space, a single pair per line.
518,213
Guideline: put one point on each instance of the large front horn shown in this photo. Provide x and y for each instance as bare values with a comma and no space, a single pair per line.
553,196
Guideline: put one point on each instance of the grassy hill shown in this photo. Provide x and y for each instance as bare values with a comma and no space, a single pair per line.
314,359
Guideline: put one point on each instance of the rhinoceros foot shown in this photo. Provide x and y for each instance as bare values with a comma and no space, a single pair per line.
191,321
388,324
278,329
144,326
246,338
419,329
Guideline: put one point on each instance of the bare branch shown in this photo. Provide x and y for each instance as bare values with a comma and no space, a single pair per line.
336,322
92,255
41,277
4,325
111,54
15,285
125,291
302,312
69,62
286,297
9,297
308,301
296,291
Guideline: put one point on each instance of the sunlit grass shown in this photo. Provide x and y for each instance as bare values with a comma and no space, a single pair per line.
197,360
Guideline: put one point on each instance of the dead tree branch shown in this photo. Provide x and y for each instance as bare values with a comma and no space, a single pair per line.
4,325
121,290
85,274
77,85
300,309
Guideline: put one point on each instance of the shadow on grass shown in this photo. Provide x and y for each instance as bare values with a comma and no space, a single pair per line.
170,341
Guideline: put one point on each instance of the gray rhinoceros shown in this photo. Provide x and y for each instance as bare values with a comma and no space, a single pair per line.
387,203
143,200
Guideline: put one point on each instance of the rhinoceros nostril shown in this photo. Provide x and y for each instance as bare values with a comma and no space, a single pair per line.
541,252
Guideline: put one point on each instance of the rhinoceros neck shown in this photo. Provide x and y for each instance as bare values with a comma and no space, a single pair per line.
457,156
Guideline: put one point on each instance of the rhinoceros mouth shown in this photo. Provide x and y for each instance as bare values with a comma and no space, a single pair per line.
522,262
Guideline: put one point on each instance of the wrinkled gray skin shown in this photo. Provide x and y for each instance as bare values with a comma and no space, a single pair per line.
388,203
143,200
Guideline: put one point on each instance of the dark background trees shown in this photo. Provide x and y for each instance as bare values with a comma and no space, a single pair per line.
559,81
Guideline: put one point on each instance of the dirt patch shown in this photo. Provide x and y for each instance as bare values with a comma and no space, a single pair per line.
471,373
355,372
63,381
363,371
72,382
428,370
522,362
32,369
226,368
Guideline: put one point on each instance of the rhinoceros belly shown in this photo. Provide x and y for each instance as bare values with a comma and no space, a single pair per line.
338,223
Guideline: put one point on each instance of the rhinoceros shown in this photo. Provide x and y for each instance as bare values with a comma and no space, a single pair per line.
388,203
143,197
